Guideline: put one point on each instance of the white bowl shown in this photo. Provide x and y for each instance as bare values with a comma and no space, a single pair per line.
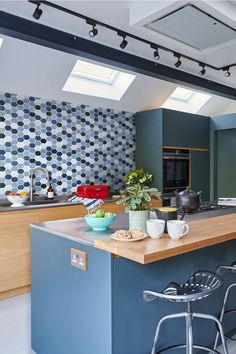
17,200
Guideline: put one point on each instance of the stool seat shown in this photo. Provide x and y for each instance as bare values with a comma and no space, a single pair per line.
221,269
198,286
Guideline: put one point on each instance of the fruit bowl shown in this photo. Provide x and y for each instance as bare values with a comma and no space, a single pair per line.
99,224
17,200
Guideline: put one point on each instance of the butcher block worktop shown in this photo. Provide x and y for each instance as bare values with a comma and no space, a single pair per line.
203,233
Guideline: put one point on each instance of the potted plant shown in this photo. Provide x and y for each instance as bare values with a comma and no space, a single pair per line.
137,197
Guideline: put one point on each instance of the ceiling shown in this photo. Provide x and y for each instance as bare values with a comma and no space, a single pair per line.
29,69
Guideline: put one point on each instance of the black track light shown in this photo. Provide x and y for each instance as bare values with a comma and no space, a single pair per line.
123,43
37,13
93,31
203,71
179,62
227,72
156,54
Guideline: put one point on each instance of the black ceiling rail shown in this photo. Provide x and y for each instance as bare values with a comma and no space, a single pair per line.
92,21
34,32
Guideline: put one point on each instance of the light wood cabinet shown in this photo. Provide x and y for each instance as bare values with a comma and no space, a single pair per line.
15,242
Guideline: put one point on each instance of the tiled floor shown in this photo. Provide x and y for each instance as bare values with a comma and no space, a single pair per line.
15,327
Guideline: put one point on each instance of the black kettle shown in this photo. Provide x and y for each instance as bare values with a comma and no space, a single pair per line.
188,200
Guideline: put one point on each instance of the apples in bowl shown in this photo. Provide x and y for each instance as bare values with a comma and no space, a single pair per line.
17,199
100,220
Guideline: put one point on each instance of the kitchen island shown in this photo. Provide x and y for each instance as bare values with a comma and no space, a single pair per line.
101,310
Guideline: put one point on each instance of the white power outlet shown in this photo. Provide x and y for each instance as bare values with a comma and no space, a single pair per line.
79,259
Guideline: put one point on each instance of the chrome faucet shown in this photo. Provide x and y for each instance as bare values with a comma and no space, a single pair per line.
32,179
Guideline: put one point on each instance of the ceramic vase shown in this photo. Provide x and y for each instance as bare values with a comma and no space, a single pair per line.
137,219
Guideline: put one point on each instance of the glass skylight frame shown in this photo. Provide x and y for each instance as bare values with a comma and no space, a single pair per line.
113,86
82,68
191,103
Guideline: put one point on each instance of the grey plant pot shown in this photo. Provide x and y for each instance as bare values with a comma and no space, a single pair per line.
137,219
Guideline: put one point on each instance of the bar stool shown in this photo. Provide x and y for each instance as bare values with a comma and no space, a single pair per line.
221,270
199,286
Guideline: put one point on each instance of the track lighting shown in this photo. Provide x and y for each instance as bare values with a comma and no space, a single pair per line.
179,62
37,13
203,71
123,43
227,72
93,31
154,46
156,54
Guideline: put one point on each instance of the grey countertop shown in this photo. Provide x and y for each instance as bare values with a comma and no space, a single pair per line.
5,205
78,230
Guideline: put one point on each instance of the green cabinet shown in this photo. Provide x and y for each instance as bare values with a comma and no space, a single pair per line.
176,128
200,132
185,130
149,144
163,127
200,173
225,163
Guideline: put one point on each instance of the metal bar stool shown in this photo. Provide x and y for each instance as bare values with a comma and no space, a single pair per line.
199,286
222,269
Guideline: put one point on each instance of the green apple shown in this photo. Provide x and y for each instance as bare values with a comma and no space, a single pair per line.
100,213
109,215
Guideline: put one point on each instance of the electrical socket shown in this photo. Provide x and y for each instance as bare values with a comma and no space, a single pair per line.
79,259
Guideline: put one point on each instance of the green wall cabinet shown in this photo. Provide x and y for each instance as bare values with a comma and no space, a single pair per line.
223,152
176,128
200,161
199,132
185,130
163,127
226,163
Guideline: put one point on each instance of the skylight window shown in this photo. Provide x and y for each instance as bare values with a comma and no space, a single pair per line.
186,100
96,80
94,72
181,94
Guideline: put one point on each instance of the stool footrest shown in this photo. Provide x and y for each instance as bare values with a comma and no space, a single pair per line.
180,346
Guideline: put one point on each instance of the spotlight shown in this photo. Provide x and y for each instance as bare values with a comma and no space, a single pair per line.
94,31
179,62
227,72
123,43
37,13
156,54
203,71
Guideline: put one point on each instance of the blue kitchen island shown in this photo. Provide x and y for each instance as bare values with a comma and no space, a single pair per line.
100,310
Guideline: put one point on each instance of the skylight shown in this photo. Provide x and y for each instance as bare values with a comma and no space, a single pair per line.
96,80
186,100
181,94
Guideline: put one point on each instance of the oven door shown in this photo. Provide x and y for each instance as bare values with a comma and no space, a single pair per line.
175,173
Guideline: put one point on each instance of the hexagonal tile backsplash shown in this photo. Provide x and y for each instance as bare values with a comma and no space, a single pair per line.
77,144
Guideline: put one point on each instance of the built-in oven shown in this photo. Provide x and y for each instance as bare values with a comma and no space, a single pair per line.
176,167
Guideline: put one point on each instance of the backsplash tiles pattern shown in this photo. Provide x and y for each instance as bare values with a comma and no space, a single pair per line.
77,144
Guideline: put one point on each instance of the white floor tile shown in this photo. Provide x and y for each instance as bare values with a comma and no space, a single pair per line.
15,325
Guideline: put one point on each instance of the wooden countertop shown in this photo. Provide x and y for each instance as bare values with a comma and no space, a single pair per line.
202,233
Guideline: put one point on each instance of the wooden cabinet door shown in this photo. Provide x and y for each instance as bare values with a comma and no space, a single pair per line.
15,249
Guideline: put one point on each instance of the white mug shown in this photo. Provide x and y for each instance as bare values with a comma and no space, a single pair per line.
155,228
177,229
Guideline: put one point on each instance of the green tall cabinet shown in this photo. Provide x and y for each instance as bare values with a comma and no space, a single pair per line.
163,127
